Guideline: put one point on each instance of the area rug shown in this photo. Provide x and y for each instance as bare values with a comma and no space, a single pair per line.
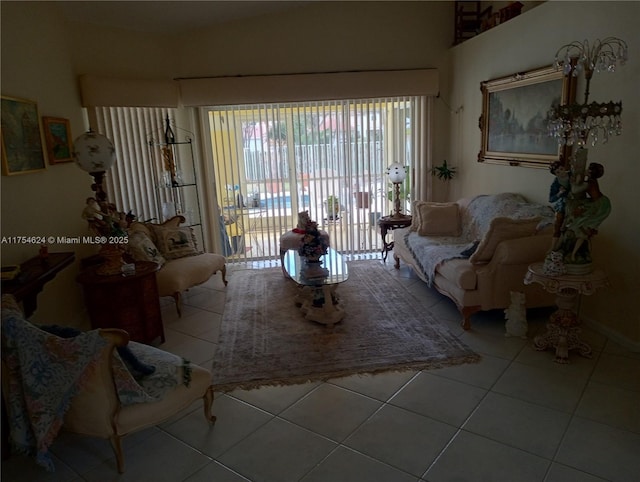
265,339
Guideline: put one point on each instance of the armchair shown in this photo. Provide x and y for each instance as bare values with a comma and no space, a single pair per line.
81,385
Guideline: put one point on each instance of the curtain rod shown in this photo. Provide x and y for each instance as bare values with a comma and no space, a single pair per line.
238,76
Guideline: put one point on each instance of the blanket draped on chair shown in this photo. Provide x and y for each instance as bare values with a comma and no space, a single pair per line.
42,382
45,372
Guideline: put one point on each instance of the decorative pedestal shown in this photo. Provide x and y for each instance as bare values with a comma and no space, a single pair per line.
563,328
320,304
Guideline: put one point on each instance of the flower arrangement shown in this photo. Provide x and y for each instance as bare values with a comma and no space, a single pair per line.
313,244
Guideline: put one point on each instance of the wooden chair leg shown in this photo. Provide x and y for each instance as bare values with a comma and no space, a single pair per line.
178,299
208,402
117,448
224,275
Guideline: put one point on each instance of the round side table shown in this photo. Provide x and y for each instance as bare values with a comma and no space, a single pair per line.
564,324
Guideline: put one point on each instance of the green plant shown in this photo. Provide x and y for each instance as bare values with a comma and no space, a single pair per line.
444,172
333,206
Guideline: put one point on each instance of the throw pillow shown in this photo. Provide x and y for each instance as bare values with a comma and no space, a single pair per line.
500,230
141,248
415,220
176,242
438,219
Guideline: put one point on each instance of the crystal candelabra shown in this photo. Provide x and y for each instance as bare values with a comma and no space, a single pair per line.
578,123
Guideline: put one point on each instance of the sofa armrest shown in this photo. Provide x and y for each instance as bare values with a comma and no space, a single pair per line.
524,250
507,269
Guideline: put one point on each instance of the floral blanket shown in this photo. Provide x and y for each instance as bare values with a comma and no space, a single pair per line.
44,372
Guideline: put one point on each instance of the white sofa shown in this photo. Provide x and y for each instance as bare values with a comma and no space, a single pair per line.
477,250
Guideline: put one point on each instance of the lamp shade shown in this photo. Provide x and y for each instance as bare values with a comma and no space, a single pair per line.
396,172
93,152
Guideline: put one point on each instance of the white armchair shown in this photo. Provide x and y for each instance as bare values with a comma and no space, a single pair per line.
80,384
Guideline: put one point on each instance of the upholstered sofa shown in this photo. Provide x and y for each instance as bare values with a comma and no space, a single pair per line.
477,250
173,247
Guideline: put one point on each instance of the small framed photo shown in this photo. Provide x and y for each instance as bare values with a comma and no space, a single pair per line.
57,134
514,117
22,147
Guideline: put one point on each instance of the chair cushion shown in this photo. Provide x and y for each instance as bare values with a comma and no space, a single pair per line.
180,274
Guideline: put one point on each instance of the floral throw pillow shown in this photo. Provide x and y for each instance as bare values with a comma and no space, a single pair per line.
141,248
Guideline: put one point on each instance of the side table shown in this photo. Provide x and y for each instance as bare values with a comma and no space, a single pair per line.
389,223
564,324
34,274
127,302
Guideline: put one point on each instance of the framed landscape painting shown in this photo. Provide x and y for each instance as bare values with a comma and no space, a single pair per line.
514,117
57,134
22,150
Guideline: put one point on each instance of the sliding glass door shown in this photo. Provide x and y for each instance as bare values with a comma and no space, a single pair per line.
272,161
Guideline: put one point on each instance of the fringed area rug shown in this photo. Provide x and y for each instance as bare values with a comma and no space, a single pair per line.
265,339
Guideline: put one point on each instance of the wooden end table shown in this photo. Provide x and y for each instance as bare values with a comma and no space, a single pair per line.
34,274
389,223
130,303
563,328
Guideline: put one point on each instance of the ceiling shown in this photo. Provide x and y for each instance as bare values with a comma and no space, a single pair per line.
161,16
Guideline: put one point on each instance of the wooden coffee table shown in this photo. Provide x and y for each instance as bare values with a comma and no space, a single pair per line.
317,295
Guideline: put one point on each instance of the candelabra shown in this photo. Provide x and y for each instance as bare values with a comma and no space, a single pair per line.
576,124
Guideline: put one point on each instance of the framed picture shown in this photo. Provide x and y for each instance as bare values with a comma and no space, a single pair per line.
57,134
514,117
22,150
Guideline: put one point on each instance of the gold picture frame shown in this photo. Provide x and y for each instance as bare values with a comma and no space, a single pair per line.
57,134
22,146
514,117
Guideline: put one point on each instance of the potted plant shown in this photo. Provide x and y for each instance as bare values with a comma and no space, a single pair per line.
333,207
443,171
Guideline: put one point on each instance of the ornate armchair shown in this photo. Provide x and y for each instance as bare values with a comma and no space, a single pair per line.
85,384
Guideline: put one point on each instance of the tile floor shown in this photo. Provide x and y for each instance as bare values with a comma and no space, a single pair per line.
515,416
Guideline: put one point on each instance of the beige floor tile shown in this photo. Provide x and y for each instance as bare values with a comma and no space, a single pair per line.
411,442
562,473
472,457
520,424
331,411
552,387
611,405
216,472
235,421
380,386
160,458
439,398
483,374
277,452
345,465
601,450
274,399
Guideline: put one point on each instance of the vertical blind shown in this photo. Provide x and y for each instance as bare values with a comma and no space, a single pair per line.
272,161
130,183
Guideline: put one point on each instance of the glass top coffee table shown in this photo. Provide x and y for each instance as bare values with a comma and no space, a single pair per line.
318,283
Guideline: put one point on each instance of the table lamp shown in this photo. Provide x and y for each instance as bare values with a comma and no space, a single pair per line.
397,174
95,154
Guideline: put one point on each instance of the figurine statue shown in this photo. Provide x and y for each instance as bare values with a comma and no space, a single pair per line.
585,210
558,192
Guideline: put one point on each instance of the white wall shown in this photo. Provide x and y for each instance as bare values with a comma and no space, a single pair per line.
530,41
36,65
